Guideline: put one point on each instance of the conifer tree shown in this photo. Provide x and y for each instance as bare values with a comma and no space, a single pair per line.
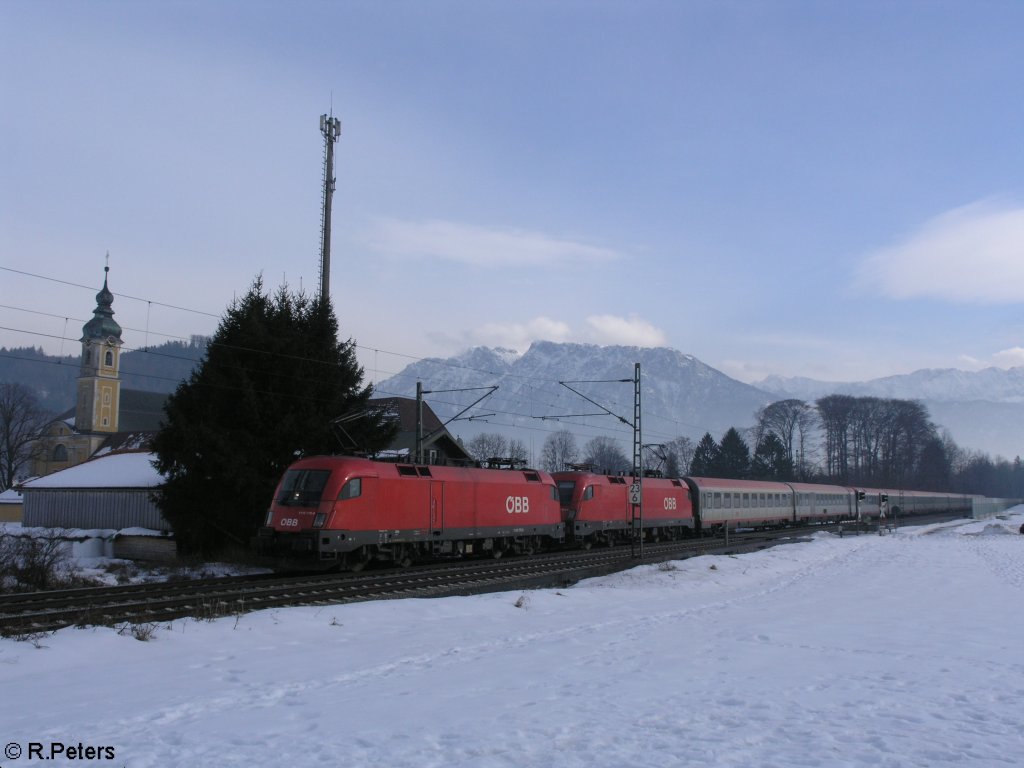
770,461
733,456
273,379
705,457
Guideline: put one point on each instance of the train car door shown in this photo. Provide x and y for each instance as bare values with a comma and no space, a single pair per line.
436,507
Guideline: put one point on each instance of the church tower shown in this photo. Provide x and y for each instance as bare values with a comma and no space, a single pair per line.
99,385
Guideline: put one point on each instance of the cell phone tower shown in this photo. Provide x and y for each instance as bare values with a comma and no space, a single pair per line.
330,127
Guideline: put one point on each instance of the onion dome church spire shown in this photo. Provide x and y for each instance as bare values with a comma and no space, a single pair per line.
102,326
99,384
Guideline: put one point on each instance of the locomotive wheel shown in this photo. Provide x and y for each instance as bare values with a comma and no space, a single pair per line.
496,553
360,558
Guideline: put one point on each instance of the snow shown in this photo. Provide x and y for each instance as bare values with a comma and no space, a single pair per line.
897,650
11,496
115,470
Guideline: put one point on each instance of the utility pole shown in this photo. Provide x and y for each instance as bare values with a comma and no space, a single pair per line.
419,422
635,492
330,127
637,502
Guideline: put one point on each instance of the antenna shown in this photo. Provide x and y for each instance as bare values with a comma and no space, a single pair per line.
330,127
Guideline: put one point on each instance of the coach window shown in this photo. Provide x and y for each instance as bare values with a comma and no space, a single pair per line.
352,489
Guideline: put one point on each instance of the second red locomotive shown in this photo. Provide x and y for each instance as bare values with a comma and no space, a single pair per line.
597,508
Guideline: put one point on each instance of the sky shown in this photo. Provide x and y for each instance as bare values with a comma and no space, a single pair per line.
831,190
899,651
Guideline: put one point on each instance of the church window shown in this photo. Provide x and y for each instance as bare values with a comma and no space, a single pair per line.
60,453
109,359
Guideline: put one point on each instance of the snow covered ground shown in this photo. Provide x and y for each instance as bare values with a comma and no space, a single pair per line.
898,650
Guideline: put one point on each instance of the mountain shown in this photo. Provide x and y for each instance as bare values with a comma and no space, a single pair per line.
950,385
983,410
680,395
54,379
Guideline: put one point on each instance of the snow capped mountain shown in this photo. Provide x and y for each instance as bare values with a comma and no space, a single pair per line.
983,410
994,385
680,394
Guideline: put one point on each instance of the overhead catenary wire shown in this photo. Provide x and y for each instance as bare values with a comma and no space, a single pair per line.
538,382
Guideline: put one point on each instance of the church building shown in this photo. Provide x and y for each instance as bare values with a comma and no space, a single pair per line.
98,420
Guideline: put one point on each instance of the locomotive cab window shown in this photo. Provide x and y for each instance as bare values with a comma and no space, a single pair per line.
352,489
565,489
588,493
303,487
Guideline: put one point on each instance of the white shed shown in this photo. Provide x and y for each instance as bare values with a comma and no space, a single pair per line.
113,491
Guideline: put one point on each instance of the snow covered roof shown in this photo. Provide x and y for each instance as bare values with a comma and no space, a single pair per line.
115,470
10,496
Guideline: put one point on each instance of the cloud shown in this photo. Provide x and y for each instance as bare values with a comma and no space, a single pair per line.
477,246
970,254
600,329
519,336
632,331
1009,358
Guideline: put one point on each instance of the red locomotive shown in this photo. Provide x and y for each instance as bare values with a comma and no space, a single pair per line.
351,511
597,509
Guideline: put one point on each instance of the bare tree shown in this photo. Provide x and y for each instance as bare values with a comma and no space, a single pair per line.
790,421
606,455
488,445
835,413
21,420
672,458
559,451
517,451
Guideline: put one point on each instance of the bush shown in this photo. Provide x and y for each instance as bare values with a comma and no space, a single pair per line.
34,562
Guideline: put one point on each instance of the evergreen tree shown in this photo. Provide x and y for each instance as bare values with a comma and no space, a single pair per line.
273,379
705,457
733,456
770,460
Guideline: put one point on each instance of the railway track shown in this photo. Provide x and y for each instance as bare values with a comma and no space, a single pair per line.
36,612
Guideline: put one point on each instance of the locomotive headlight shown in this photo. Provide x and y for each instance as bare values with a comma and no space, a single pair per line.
318,519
